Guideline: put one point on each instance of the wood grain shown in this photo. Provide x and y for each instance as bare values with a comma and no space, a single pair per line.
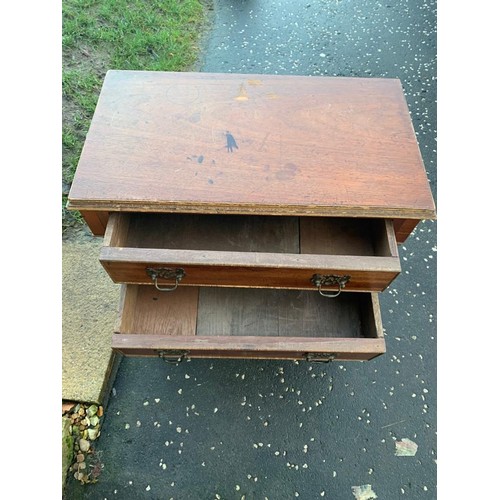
245,312
323,146
146,310
384,241
212,232
286,313
245,270
248,324
96,220
126,308
117,230
339,236
404,227
249,347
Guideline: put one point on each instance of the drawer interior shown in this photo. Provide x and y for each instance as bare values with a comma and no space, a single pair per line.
254,323
255,312
250,251
273,234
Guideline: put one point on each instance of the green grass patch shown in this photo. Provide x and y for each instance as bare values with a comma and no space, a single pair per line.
82,88
98,35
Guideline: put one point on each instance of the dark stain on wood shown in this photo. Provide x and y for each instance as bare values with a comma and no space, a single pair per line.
231,142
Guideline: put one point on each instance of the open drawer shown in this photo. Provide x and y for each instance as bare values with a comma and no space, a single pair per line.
201,322
171,249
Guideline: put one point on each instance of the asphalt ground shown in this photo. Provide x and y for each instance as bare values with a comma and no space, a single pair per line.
233,429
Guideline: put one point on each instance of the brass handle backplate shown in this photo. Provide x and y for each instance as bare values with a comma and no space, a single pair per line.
172,356
319,357
320,280
165,273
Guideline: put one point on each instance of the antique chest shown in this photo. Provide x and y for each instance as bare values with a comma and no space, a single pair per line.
250,216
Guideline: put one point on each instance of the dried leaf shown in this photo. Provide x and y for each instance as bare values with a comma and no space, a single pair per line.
364,492
67,407
406,448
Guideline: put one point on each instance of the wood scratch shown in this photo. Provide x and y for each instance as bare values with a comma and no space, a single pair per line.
242,95
264,141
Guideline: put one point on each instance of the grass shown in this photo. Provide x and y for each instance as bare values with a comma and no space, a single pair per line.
98,35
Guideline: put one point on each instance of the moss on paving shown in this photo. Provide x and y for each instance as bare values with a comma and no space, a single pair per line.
67,448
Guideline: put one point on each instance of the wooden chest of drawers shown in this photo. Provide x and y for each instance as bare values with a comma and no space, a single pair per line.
250,216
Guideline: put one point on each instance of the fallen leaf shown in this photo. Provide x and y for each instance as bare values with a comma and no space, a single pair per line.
406,448
364,492
67,407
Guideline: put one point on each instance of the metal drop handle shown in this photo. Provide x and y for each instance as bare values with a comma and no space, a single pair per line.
172,356
165,273
320,280
320,357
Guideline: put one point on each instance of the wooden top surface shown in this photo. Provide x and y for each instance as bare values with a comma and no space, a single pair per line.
229,143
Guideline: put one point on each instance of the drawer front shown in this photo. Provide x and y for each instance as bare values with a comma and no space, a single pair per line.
237,251
333,351
244,323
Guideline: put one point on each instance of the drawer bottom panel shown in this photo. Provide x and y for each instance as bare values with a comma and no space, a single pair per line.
248,323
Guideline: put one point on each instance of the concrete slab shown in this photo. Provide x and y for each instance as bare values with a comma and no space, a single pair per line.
90,301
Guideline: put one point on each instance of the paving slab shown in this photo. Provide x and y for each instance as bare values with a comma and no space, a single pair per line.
233,429
90,301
